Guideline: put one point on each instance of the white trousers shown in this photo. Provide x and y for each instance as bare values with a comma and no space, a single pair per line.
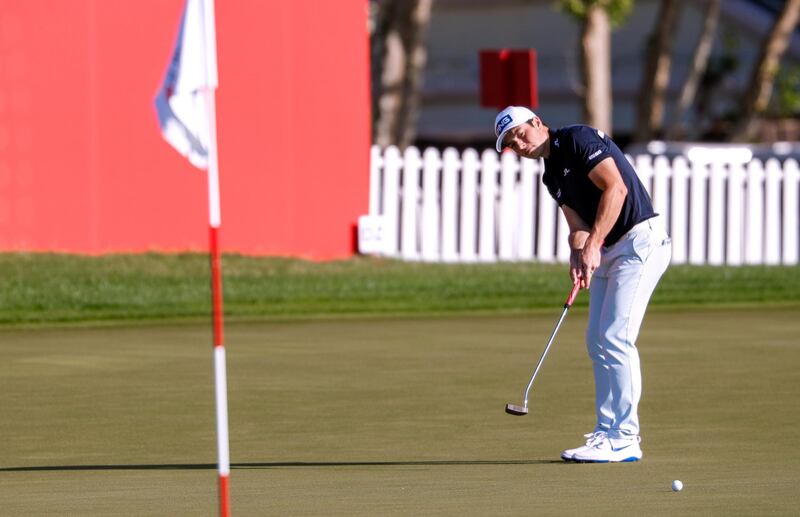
619,292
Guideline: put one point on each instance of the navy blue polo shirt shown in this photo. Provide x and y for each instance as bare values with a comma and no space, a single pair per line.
574,152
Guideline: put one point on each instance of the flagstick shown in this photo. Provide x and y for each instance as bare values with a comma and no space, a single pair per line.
220,379
220,374
193,70
220,369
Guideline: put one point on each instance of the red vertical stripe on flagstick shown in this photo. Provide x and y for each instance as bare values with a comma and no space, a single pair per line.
216,295
224,497
216,286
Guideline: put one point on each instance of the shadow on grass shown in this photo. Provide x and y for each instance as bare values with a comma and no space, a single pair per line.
279,464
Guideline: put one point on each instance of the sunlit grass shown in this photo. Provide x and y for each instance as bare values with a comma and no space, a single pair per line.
68,288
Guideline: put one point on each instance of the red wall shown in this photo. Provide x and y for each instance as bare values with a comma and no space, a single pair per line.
83,167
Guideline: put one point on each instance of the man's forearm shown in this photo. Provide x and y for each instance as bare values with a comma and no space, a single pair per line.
577,239
607,213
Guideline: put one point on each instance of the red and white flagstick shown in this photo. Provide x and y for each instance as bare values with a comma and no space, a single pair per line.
220,370
194,69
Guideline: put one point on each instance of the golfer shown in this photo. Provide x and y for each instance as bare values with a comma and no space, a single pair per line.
618,250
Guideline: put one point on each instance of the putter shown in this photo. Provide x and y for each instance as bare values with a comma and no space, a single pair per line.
513,409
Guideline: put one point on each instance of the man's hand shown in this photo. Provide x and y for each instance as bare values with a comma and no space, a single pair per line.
587,261
579,233
575,266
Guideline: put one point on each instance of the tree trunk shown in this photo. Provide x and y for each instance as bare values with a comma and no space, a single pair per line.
398,60
417,31
762,81
655,81
698,67
596,66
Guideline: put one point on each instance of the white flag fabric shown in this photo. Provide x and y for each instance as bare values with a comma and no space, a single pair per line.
182,102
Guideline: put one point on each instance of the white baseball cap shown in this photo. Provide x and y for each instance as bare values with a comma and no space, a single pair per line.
507,120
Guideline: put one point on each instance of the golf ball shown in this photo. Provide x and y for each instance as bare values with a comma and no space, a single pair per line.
677,485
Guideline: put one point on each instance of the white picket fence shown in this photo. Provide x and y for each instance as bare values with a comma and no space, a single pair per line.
471,207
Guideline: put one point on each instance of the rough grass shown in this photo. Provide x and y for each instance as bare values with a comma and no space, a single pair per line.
51,288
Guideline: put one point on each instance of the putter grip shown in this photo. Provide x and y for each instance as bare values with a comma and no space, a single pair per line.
572,296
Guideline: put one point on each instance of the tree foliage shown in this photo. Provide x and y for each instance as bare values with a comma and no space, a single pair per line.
762,80
787,97
617,10
597,17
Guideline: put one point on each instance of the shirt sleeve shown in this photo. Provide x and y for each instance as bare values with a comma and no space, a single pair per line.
553,189
590,147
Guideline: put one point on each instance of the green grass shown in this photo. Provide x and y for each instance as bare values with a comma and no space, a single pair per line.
46,288
397,416
374,414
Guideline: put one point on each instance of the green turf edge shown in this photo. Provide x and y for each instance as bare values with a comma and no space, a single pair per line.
55,290
165,320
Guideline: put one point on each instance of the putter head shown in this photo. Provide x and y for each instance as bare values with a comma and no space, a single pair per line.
511,409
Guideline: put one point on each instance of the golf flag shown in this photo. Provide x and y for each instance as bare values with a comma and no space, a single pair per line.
182,102
187,115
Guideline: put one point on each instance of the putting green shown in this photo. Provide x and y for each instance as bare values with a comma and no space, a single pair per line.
397,417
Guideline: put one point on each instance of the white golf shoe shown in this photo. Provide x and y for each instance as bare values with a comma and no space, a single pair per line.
610,450
591,439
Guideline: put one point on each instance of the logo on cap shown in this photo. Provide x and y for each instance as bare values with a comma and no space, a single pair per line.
505,121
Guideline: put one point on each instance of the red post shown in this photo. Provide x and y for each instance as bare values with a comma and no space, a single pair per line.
220,375
508,77
224,497
216,286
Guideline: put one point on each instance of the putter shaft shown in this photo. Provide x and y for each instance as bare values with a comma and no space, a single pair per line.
544,354
522,410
